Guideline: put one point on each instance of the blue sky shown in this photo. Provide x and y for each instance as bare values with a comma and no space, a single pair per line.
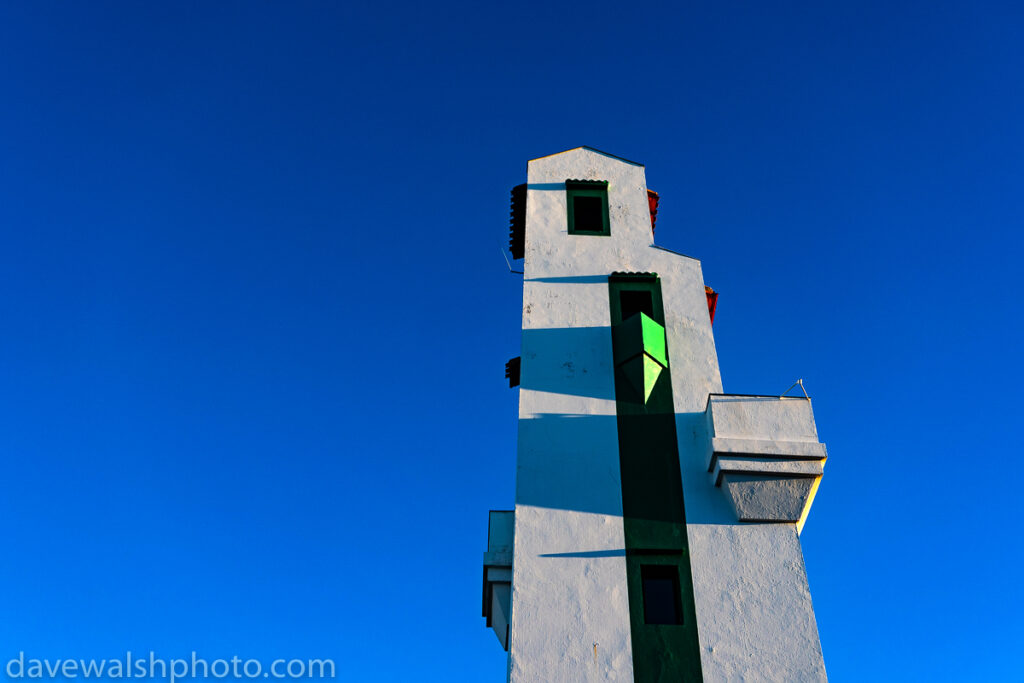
254,315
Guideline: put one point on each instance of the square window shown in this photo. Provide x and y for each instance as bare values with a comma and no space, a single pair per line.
661,594
587,205
587,214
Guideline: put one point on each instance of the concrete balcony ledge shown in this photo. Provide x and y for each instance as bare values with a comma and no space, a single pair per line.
497,593
763,451
770,448
783,468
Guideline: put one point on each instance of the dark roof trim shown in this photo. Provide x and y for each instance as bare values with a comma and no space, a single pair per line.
632,277
517,222
592,149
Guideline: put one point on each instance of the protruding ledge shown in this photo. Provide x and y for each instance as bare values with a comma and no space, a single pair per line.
764,452
497,597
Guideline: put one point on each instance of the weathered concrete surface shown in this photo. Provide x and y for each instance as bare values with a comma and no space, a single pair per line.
760,498
756,618
729,464
774,447
570,595
769,418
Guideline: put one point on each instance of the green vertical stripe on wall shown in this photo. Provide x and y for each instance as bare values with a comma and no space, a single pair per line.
652,501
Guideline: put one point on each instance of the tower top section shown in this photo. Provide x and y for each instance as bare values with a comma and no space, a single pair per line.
589,149
582,210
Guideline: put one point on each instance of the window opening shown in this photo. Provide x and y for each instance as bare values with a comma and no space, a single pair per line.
661,594
587,212
587,207
633,302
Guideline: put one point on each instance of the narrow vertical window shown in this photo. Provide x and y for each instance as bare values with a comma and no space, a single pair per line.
633,302
661,594
587,206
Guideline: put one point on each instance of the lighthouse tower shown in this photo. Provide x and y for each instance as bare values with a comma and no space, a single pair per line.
656,529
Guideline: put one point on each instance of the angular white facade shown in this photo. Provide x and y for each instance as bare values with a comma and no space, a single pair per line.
586,579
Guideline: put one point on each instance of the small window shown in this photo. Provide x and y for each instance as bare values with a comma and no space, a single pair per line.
587,205
661,594
633,302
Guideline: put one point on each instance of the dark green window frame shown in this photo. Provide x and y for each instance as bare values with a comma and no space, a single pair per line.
587,189
653,510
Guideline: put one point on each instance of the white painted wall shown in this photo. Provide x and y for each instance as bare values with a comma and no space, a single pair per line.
569,573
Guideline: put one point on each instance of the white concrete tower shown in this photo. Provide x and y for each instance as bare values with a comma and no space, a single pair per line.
655,535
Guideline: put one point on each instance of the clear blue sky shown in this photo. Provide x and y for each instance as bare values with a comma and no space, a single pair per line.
253,315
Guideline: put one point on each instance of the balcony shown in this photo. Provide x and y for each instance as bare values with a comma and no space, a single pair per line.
497,598
764,453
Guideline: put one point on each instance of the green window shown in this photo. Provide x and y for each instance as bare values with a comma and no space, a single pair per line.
587,202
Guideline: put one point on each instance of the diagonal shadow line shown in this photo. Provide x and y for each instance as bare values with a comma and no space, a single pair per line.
571,279
589,553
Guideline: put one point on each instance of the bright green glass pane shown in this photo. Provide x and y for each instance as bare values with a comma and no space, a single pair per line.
653,336
642,372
